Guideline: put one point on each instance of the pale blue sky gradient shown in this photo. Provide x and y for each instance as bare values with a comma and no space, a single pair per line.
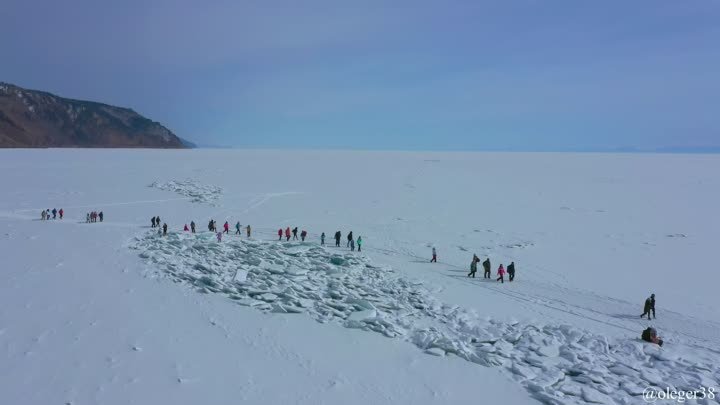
442,75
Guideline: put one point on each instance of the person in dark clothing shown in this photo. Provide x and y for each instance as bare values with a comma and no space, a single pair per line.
473,266
650,335
349,238
511,271
322,239
294,232
54,211
157,221
210,225
649,306
61,212
338,236
486,267
434,255
280,234
100,215
164,229
303,234
192,226
152,221
237,228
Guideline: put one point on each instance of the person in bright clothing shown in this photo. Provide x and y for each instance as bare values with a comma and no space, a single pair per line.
359,243
501,274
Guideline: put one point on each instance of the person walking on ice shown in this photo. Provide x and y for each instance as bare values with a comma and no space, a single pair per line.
185,229
226,228
219,236
352,245
280,234
649,306
511,271
54,211
100,215
237,228
152,222
287,234
359,243
501,274
434,257
487,267
248,230
87,217
61,213
164,229
42,215
192,226
303,234
294,232
473,266
322,239
349,238
338,236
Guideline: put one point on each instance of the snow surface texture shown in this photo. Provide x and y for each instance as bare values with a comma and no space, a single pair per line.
197,192
558,364
592,236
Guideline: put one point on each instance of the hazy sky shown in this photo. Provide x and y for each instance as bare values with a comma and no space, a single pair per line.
460,75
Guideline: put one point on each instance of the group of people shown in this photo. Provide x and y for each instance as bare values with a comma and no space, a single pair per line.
226,228
45,214
155,222
487,268
93,216
350,241
294,232
288,233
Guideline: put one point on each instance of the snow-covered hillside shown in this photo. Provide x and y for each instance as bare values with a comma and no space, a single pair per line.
114,313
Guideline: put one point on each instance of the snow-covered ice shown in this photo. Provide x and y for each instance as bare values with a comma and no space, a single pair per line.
195,191
114,313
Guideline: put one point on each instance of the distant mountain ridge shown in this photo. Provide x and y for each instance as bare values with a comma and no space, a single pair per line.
36,119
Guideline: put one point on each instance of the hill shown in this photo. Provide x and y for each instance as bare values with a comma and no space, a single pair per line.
36,119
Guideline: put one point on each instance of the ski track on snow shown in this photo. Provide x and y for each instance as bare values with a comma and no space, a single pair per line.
556,363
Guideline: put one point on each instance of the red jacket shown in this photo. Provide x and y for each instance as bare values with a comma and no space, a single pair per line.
226,226
279,232
287,231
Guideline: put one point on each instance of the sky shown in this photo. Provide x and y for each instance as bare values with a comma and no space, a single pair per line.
410,75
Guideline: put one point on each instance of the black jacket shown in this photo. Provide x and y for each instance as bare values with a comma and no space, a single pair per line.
649,304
